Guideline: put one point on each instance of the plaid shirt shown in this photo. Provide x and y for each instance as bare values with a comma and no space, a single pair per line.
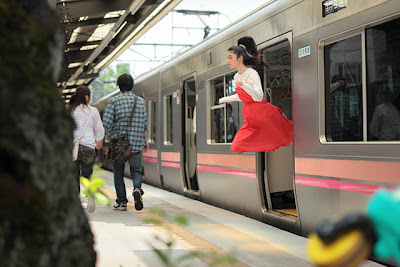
116,119
340,116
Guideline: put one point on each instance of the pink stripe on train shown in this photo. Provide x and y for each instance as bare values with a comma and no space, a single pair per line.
251,174
339,185
154,160
376,171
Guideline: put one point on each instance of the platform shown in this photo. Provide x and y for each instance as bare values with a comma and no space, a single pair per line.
123,238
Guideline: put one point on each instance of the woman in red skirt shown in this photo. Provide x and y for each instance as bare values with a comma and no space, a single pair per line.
264,127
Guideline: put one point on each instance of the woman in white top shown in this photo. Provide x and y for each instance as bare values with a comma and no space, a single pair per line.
91,138
264,127
385,122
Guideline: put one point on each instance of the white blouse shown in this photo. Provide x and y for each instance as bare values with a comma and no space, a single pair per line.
251,84
94,131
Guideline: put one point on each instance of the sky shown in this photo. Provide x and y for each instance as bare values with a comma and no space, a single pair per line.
176,28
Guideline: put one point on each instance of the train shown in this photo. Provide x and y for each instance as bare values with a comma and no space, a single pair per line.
335,162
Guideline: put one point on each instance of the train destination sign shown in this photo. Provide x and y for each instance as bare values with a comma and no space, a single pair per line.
332,6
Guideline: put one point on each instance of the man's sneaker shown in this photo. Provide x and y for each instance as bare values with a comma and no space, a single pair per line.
91,206
120,206
138,199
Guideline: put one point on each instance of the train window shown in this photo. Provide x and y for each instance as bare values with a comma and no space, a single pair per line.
278,77
347,98
383,81
152,122
217,111
168,115
232,109
217,129
225,119
343,90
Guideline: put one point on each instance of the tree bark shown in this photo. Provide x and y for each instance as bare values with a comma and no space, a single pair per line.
41,219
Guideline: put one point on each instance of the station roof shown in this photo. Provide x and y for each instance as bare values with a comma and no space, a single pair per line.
98,31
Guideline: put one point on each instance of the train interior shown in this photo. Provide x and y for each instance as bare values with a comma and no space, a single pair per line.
189,137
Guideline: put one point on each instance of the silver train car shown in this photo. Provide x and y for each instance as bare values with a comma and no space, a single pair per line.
336,161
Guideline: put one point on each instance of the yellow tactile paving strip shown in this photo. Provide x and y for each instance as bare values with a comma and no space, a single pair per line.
184,237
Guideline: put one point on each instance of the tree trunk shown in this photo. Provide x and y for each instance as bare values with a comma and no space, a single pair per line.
41,219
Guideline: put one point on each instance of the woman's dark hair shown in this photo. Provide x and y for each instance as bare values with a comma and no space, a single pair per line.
125,82
247,48
250,45
79,96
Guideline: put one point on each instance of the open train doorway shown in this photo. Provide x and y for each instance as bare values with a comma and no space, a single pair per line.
277,167
189,149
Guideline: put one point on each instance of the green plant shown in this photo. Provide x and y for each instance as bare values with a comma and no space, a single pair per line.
92,186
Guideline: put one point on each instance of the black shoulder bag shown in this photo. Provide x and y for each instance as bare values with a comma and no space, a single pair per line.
120,148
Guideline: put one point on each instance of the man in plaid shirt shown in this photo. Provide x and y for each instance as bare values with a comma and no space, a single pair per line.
340,123
116,122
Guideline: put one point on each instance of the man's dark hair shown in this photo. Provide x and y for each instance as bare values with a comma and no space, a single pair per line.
337,78
125,82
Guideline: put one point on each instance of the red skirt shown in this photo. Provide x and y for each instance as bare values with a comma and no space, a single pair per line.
264,128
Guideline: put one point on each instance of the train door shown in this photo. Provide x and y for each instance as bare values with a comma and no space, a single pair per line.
277,168
151,160
189,150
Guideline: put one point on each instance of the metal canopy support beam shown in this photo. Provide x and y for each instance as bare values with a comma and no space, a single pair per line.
197,12
78,55
135,5
157,44
83,8
97,21
78,45
82,18
91,22
89,76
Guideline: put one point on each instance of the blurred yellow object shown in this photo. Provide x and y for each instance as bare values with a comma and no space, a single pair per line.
347,250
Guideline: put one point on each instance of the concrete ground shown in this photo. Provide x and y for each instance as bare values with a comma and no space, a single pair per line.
131,238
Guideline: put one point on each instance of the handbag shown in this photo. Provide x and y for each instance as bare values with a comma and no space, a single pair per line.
120,148
75,147
86,154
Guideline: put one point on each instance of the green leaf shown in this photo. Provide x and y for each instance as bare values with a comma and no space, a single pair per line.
226,259
182,220
163,256
101,198
157,211
152,221
190,255
96,183
97,167
88,193
85,181
92,188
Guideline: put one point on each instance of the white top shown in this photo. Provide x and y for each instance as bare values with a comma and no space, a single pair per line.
385,123
251,84
94,131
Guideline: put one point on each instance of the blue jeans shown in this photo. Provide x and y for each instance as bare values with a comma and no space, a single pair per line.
135,163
